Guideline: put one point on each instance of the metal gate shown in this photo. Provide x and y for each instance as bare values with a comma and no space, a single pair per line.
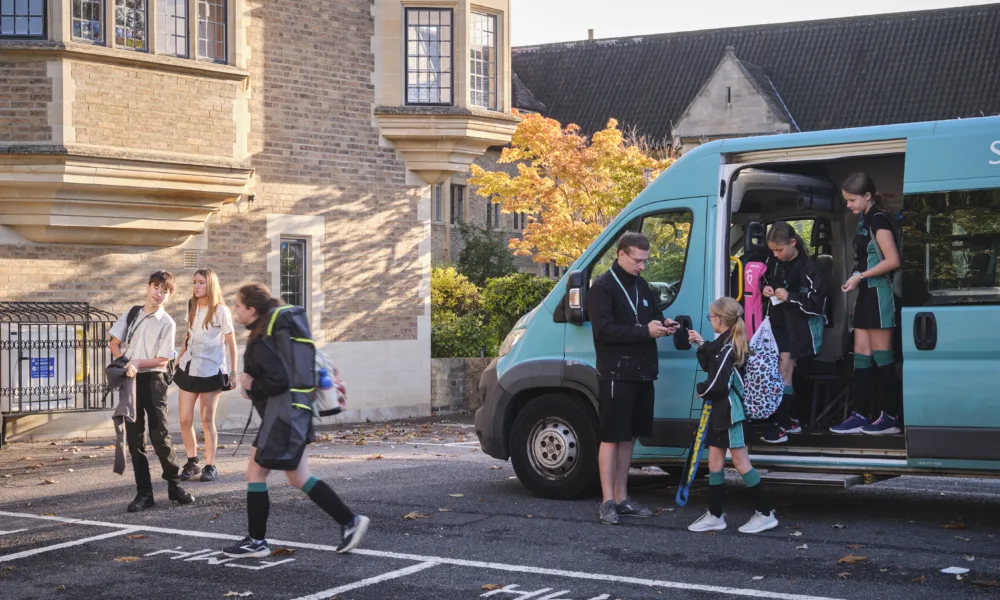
52,358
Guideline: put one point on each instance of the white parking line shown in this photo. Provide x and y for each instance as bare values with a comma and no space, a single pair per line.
370,581
103,536
745,592
13,531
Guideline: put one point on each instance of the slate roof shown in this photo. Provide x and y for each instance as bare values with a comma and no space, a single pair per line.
833,73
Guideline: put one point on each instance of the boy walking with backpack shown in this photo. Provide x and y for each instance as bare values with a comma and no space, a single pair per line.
145,337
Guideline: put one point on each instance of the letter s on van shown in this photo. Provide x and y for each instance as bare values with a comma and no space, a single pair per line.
995,148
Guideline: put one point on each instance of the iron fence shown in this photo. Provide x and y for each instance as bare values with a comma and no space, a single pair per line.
52,358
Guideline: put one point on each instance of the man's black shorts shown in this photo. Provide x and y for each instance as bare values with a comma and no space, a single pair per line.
626,410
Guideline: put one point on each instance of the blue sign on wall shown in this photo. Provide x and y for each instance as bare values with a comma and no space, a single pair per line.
43,367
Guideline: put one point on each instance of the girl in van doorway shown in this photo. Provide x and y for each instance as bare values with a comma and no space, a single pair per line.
204,370
797,309
876,259
724,360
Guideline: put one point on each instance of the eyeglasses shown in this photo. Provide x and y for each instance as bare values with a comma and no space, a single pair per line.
711,316
639,261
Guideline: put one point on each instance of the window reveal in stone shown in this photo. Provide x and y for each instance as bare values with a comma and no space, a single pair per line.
22,18
171,27
130,24
212,30
88,20
428,56
483,61
457,200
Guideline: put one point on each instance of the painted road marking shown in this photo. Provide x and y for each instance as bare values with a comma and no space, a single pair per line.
103,536
370,581
746,592
12,531
515,590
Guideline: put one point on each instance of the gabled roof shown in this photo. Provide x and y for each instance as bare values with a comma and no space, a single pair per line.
849,72
765,87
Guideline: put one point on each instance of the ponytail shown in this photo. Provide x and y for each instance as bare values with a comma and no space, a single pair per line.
730,313
258,297
860,183
783,233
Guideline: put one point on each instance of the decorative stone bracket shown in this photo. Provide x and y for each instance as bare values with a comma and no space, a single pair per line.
438,141
77,198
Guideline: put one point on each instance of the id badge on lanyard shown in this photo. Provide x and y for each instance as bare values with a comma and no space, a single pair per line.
634,305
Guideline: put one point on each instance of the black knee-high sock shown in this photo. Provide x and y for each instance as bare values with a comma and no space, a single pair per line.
324,497
783,414
752,480
861,401
716,492
258,507
889,397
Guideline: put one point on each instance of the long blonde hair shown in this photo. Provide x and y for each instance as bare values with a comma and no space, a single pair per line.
730,313
213,291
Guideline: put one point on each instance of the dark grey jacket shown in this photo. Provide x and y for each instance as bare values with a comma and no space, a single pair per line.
125,410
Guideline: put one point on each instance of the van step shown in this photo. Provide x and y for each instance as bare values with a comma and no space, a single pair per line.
836,480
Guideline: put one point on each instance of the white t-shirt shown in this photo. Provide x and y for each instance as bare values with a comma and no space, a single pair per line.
205,355
151,336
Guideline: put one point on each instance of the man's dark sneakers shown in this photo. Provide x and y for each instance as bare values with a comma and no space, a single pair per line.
608,513
177,494
190,469
209,473
351,534
247,548
143,500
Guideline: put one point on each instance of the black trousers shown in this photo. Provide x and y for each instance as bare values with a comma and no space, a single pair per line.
151,405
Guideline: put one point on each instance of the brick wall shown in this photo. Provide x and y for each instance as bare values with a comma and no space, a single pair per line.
455,383
151,110
25,92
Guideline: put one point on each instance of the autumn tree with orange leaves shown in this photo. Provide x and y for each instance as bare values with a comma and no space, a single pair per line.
570,187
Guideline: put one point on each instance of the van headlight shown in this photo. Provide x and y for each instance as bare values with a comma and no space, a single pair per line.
511,339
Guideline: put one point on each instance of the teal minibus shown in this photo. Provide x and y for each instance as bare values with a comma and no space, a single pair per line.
712,206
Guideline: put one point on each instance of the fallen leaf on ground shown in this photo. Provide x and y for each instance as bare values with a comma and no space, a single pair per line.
802,547
955,571
495,467
60,459
986,582
5,570
530,516
136,536
456,495
920,579
961,539
48,481
280,551
91,456
60,588
970,558
413,516
69,470
796,534
839,526
126,559
38,466
214,517
660,511
475,449
851,559
376,457
27,458
712,533
844,575
491,586
444,510
758,577
953,525
238,594
855,546
5,476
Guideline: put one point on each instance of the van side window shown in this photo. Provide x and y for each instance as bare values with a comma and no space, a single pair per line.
951,244
668,234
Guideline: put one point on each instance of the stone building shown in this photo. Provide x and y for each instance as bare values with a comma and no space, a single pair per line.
296,143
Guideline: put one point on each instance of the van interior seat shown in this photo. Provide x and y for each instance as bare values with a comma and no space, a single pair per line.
834,342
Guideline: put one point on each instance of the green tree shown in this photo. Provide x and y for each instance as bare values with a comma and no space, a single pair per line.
507,299
485,255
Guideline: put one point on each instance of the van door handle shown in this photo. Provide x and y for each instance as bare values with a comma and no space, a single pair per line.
925,331
681,341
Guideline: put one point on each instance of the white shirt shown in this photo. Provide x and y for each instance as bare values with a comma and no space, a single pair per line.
205,355
151,336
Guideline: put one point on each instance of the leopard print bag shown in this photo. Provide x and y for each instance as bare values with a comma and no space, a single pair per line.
762,383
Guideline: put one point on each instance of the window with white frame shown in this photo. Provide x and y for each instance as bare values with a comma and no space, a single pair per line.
212,31
88,21
492,215
429,55
520,220
457,203
130,25
483,61
172,27
22,18
293,271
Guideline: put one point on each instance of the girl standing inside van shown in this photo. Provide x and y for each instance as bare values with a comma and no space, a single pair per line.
876,257
264,377
798,296
203,370
723,361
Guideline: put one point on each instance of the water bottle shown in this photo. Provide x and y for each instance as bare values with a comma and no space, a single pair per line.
325,381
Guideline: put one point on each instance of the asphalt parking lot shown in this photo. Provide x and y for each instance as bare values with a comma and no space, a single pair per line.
449,522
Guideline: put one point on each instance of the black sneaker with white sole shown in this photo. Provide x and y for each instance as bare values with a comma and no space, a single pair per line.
775,436
247,548
351,534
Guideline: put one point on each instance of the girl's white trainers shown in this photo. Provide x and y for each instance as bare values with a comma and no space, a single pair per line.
708,522
759,522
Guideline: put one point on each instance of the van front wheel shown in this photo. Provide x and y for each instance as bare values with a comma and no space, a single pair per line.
554,446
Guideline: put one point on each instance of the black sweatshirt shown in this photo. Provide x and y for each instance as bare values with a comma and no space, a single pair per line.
267,370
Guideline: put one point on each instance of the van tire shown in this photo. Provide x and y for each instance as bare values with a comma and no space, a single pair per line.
554,445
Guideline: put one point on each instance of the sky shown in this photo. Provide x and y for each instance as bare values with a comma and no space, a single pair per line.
547,21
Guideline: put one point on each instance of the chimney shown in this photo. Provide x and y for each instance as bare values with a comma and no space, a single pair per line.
590,35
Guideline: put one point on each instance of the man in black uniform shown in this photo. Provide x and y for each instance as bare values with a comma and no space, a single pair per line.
626,322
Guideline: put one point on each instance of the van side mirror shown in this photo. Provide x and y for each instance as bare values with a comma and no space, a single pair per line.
576,297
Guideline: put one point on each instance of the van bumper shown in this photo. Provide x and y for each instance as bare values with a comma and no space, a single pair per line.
490,416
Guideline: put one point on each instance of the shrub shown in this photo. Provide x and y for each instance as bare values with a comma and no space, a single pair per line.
507,299
453,292
485,255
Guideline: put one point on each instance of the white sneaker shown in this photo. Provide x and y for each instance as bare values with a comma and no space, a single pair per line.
759,522
708,522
